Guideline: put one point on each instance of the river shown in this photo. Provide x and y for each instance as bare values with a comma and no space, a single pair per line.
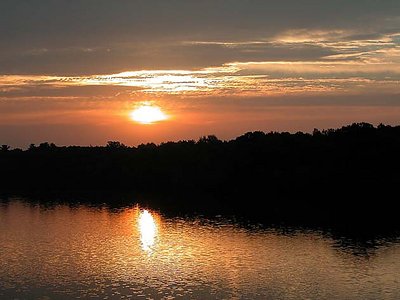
94,252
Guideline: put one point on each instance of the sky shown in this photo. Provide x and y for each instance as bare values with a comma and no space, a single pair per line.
73,71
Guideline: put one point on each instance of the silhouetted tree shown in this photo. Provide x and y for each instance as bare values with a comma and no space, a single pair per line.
46,146
210,139
4,148
316,132
115,145
147,146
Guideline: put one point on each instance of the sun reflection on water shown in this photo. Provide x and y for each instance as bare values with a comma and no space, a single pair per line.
87,252
148,230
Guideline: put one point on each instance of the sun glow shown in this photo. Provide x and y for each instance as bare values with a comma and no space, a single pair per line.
148,114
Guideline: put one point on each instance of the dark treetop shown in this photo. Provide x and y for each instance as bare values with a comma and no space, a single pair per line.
348,175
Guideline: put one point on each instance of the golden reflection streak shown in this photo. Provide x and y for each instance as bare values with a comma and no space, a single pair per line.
148,230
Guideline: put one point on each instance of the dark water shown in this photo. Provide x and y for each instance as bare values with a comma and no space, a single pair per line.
63,252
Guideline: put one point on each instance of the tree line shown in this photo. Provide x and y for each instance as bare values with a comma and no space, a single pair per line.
350,173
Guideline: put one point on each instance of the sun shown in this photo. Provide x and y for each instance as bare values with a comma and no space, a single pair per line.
148,114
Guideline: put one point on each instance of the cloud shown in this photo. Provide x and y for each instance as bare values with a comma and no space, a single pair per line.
103,36
245,78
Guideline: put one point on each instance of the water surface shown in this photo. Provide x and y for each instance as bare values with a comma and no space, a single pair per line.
64,252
